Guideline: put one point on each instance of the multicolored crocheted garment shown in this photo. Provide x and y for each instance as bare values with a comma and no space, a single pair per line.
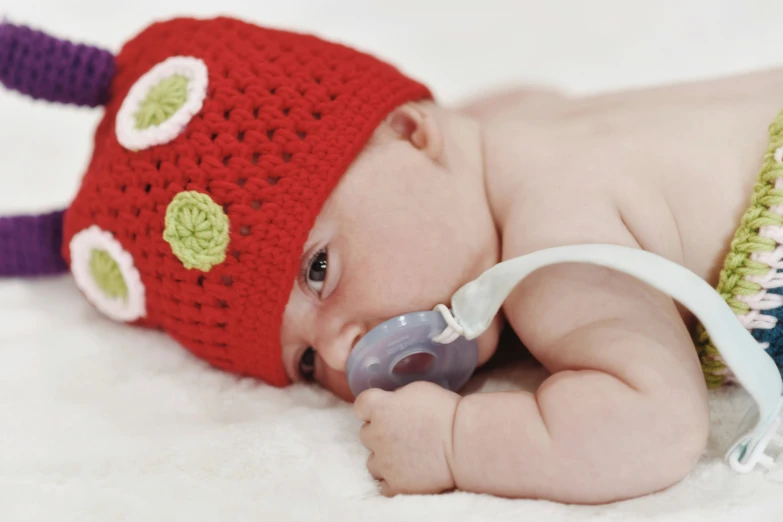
220,143
751,281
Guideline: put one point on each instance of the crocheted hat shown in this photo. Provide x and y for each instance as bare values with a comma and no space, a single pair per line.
220,143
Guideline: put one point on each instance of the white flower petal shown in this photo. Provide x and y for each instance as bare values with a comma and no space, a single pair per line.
137,139
82,246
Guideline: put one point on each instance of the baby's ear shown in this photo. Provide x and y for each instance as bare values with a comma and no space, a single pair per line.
418,125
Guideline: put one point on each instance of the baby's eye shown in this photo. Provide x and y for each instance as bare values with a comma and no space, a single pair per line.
316,272
307,365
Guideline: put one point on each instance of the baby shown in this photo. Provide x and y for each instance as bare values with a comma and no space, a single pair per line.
268,198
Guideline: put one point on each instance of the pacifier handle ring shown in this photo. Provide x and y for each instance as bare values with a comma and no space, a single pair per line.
475,305
453,330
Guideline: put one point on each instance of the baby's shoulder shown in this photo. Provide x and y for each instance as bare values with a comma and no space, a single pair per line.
587,173
515,103
546,191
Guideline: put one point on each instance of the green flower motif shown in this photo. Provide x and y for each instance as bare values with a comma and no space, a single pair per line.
107,275
162,101
197,230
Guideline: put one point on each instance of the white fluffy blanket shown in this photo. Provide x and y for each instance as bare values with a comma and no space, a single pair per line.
103,422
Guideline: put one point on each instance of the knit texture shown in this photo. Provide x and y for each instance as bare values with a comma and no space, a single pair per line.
48,68
197,230
283,118
107,274
30,245
751,281
163,100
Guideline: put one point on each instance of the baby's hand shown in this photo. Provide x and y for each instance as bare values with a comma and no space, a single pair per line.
408,432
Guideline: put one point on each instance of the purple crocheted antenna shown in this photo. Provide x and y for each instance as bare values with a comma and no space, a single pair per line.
47,68
30,245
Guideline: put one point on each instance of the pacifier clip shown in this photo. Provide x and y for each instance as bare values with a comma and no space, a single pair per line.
475,305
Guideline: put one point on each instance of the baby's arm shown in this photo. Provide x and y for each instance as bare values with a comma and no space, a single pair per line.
624,414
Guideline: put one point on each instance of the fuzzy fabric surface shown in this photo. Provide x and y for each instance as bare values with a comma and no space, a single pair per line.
103,422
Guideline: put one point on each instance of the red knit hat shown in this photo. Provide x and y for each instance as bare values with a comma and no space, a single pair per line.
220,143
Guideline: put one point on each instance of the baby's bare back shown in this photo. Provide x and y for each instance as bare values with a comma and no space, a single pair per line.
678,162
668,170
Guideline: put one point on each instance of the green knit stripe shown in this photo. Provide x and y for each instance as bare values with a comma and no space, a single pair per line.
738,265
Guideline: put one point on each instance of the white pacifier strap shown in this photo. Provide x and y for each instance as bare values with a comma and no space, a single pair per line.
477,303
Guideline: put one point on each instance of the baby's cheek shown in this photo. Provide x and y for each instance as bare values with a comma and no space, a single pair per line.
334,381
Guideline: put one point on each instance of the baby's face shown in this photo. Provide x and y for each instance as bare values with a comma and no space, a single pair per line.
400,233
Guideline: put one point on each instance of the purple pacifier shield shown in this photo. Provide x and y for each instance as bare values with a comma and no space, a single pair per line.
401,351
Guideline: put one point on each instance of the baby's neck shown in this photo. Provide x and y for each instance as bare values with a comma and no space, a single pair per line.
464,152
464,160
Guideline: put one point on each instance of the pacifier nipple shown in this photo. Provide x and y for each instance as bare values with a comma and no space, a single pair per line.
420,363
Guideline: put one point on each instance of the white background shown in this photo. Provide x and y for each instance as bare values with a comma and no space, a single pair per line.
102,422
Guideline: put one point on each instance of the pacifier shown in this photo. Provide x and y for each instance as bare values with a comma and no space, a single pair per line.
406,349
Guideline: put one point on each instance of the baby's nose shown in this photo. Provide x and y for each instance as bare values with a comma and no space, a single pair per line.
335,350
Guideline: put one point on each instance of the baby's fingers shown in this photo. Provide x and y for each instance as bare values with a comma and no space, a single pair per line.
368,436
386,489
366,402
373,466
